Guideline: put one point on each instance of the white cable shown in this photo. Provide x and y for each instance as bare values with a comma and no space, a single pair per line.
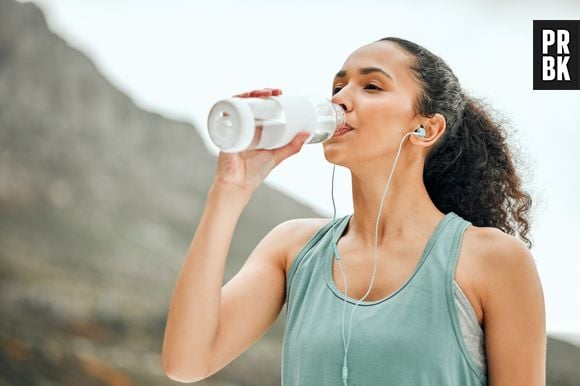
335,249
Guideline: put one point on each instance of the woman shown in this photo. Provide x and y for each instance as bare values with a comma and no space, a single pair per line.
457,299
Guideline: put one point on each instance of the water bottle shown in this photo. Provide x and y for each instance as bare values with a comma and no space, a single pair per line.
237,124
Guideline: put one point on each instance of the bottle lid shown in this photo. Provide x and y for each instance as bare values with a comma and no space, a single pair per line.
231,125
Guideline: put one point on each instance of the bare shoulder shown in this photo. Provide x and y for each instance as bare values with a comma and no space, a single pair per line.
294,234
497,258
513,306
495,249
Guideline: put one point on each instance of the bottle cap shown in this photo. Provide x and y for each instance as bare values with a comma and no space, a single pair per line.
231,125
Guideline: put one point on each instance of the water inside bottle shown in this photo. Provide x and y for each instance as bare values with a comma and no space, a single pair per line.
320,136
268,129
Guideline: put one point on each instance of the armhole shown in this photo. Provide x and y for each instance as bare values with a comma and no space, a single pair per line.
472,316
472,333
452,307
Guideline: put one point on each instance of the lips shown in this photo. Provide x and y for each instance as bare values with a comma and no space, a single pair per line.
344,129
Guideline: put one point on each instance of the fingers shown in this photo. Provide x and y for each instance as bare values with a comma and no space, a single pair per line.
292,148
260,93
276,91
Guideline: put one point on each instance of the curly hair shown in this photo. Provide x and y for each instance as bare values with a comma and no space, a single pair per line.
470,170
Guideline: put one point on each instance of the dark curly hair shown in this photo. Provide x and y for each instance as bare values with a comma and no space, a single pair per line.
470,170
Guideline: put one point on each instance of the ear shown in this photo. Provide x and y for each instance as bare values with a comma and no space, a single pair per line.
434,129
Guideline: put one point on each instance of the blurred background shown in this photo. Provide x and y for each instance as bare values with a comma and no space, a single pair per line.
105,162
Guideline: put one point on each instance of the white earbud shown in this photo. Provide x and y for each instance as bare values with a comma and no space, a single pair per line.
420,132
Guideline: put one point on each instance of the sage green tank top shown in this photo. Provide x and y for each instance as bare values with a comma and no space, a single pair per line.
412,337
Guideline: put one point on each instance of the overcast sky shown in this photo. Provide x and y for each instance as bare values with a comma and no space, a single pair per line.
179,57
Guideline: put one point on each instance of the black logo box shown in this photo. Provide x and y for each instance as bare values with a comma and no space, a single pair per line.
573,64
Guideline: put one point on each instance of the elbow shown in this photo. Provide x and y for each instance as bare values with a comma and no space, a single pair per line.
182,373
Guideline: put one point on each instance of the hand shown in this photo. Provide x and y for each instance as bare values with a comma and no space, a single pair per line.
265,92
248,169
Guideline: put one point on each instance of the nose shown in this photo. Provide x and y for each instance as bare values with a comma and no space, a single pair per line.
339,99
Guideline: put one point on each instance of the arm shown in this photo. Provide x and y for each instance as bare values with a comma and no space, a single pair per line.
193,315
191,344
253,298
236,315
515,321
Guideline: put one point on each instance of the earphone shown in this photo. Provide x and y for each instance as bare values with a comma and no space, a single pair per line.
420,132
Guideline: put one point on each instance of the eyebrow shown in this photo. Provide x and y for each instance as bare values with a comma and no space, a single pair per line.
365,71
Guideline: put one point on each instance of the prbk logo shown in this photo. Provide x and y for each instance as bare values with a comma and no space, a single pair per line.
556,54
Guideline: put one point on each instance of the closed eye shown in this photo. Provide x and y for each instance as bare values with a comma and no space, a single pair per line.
369,86
375,87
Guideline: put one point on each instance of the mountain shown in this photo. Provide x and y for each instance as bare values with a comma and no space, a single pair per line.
99,200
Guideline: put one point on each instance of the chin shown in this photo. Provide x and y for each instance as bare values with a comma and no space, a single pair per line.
335,154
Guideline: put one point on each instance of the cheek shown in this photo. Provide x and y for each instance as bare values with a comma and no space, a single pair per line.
392,114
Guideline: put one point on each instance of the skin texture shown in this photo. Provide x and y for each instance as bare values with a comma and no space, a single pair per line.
495,270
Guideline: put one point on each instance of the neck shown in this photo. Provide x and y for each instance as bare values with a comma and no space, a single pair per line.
407,208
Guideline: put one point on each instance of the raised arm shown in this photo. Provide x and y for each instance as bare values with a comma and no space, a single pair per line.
192,346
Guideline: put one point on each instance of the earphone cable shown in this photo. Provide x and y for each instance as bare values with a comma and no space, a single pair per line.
335,249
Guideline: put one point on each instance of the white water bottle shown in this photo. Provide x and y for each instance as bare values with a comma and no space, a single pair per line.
237,124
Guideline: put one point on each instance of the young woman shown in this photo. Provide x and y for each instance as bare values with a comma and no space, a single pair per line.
427,283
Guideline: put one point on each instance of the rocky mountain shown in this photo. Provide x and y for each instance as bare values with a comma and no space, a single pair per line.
99,200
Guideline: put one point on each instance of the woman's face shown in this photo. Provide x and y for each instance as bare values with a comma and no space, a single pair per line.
376,89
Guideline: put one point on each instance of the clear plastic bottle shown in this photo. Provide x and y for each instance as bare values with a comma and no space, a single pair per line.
237,124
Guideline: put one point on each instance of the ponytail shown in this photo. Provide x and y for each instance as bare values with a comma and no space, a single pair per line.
470,171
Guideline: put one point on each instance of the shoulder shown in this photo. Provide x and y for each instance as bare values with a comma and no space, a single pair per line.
496,249
294,234
513,304
500,262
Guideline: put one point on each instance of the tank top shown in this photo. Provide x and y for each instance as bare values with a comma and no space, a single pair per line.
411,337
